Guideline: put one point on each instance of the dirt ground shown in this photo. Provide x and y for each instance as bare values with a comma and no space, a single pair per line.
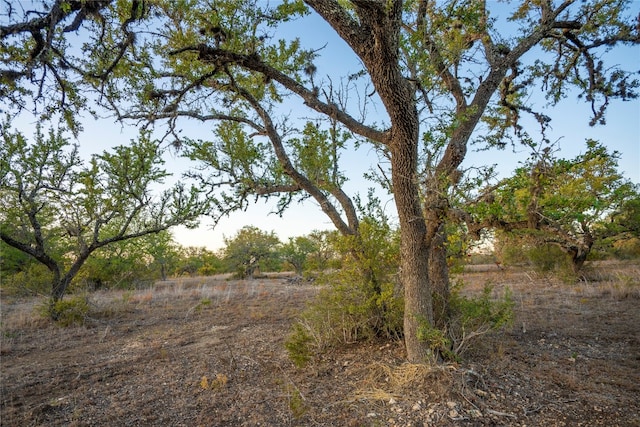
210,352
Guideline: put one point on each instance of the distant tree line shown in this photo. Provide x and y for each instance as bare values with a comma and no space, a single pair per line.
142,261
251,252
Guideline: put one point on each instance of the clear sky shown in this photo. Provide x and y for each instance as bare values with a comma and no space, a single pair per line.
569,127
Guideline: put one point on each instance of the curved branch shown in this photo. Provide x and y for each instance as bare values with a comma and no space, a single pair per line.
302,181
193,115
51,19
348,28
456,149
253,62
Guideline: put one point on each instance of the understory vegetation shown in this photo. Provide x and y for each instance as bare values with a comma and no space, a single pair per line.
359,298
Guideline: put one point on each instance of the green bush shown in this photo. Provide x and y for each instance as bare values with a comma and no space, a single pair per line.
473,317
348,310
481,258
627,248
546,258
543,258
298,345
357,302
470,318
511,249
207,270
437,339
67,312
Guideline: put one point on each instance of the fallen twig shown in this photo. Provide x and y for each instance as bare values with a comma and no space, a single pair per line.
532,411
500,414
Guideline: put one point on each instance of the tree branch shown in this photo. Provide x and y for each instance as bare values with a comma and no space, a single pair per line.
302,181
341,21
222,57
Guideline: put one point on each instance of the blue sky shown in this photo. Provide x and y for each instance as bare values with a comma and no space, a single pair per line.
569,127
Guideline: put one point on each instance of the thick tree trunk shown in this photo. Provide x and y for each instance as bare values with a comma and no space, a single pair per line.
61,283
578,256
578,261
578,249
417,293
414,267
163,271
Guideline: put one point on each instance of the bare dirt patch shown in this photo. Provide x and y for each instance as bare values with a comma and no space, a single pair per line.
210,352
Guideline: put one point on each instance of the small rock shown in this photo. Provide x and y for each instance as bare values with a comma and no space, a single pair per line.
480,393
372,415
474,413
453,414
451,405
416,407
392,401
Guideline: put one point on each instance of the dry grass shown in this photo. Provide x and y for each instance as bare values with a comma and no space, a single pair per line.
613,280
387,382
141,357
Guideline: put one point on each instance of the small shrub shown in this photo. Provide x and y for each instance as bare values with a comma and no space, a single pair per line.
472,317
543,258
481,258
511,250
220,381
204,383
340,315
627,248
437,340
298,346
347,310
67,312
296,404
358,301
546,258
207,270
203,304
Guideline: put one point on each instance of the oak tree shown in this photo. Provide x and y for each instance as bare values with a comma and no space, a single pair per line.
297,251
437,71
250,250
132,262
564,202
